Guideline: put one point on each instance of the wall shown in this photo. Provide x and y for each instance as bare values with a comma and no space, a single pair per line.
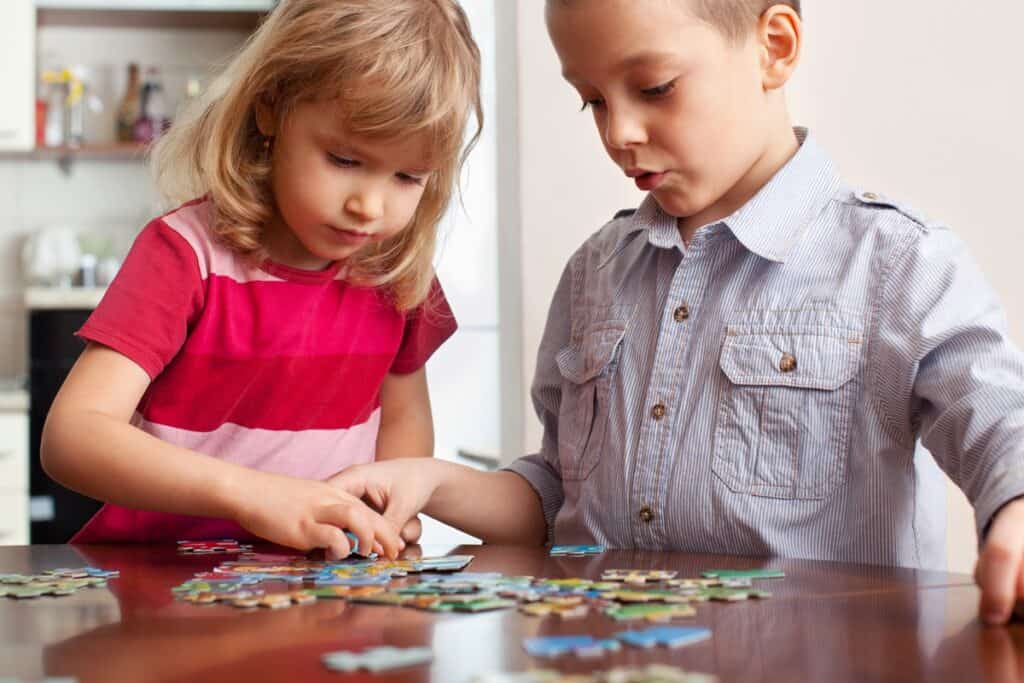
915,99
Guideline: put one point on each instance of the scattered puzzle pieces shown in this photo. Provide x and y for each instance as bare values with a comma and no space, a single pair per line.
637,576
744,574
223,546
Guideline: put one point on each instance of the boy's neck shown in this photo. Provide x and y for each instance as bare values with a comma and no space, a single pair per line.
781,148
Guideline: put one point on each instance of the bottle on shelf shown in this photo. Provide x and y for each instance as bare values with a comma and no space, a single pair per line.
154,119
130,109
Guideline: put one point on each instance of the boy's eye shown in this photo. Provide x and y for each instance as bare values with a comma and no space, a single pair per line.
660,90
591,104
342,161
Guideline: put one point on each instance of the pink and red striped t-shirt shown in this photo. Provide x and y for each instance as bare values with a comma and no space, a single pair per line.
267,366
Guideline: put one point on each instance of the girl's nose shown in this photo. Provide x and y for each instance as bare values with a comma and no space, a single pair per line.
366,204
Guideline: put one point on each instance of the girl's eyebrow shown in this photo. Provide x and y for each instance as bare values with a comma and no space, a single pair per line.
334,141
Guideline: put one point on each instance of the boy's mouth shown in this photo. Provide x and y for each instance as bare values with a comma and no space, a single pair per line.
646,180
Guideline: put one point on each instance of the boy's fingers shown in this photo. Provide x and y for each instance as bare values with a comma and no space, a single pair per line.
412,530
999,568
387,535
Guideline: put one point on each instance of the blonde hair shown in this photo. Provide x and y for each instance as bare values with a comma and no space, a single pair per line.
399,68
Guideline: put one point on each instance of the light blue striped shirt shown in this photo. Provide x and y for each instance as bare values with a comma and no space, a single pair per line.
765,390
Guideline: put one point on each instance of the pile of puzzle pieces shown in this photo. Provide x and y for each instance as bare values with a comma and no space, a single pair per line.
54,582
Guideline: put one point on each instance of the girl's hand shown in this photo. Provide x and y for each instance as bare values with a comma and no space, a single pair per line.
401,488
306,514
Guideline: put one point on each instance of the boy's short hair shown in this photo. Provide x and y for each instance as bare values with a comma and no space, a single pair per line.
735,18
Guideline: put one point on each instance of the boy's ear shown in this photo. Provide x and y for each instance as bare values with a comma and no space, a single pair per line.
266,117
780,32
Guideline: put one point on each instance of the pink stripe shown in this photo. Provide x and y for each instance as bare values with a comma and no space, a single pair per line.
273,319
308,454
191,221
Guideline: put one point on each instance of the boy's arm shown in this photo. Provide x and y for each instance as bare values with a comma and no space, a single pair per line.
942,342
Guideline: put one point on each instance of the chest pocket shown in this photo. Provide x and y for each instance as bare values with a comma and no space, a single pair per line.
782,428
588,369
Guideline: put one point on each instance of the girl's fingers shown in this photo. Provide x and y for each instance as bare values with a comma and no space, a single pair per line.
348,516
333,540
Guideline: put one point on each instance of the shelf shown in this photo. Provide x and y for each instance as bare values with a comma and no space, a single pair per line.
50,298
161,5
155,18
100,152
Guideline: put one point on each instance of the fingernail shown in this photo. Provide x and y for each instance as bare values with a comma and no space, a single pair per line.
994,617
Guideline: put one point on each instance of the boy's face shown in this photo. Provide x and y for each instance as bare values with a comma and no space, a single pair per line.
677,105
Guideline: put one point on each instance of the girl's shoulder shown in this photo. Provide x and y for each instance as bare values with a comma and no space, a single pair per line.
192,223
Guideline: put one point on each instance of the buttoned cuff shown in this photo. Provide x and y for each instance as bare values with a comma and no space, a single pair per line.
546,482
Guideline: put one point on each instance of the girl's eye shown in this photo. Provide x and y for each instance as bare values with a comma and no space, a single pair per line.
342,161
660,90
410,179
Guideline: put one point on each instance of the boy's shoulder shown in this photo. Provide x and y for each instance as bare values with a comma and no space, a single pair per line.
608,240
883,210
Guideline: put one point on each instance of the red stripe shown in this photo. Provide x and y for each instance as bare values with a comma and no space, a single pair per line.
265,319
200,393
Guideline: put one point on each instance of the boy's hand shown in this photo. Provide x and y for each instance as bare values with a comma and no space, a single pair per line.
1000,569
400,488
305,514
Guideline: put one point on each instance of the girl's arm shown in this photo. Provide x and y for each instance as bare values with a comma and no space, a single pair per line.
406,423
90,446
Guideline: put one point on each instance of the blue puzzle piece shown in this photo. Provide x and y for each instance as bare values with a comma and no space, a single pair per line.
461,577
330,580
576,550
669,636
556,646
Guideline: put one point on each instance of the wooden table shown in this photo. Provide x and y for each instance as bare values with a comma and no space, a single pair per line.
826,622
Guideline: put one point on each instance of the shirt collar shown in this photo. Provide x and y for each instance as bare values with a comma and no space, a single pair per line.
772,222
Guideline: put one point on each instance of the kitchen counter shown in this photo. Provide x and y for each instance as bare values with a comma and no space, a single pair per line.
63,297
13,399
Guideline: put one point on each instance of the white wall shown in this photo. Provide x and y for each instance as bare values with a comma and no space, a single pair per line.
918,99
922,100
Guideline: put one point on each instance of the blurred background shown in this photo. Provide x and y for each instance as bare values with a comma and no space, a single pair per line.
918,100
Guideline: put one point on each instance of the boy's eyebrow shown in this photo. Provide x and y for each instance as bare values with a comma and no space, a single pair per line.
638,59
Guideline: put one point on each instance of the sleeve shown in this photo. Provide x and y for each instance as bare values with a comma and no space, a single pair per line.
147,310
945,368
542,470
426,328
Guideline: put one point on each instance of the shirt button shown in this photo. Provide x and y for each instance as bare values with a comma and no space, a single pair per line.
646,514
658,411
788,362
870,196
681,313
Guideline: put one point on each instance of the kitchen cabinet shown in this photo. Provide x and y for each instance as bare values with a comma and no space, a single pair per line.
17,76
161,5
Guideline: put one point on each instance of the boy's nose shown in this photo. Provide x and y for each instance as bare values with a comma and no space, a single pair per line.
623,130
366,205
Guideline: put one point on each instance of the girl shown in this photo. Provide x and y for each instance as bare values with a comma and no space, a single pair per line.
272,331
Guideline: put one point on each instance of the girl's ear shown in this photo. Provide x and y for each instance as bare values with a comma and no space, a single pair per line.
266,117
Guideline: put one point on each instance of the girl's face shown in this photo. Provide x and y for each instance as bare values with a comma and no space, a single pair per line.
335,193
678,107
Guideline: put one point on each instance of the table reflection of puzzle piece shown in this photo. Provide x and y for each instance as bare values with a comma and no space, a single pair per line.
734,594
653,673
744,574
638,576
343,592
669,636
656,612
377,659
581,646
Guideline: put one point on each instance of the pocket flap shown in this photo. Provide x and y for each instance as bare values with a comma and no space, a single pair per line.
597,348
802,360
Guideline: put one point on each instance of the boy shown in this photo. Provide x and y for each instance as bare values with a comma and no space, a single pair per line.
748,362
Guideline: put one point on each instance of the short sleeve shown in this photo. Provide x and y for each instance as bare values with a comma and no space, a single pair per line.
146,311
426,328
